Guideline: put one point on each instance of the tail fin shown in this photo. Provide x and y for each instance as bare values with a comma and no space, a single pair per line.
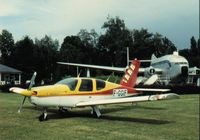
130,77
153,57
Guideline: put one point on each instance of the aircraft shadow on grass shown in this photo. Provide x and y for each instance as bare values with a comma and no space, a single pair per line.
86,114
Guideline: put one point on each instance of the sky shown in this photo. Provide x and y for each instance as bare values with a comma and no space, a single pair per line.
178,20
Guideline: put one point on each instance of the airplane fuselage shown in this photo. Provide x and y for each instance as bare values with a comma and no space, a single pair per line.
171,66
69,92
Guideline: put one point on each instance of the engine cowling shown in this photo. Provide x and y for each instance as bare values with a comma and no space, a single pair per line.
149,71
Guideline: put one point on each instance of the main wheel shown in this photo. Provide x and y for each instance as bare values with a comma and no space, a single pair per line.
43,117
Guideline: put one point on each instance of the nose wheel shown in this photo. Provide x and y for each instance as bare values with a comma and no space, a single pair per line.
43,116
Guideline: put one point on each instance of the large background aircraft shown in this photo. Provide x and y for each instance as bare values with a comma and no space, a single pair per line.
83,92
163,69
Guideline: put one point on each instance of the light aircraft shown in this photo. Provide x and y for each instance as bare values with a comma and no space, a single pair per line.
162,69
83,92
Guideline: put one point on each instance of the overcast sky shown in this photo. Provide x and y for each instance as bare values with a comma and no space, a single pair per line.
178,20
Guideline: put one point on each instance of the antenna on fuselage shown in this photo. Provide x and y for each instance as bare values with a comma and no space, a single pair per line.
110,76
78,75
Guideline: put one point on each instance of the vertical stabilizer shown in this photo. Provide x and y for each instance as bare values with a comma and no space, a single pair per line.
153,57
130,77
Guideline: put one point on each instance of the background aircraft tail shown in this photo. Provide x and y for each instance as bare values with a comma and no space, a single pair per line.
130,77
153,57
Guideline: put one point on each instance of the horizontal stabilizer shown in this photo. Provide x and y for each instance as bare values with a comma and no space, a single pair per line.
151,80
129,100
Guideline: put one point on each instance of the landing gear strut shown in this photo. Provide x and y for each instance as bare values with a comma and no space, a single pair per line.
43,116
62,110
96,111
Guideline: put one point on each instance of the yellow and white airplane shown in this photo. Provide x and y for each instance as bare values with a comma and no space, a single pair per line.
82,92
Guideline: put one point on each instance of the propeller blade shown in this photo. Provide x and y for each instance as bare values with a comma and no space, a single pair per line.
32,80
22,103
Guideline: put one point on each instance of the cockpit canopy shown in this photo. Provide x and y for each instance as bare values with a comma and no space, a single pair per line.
85,84
70,82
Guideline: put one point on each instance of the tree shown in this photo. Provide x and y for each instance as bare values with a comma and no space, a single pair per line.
47,56
146,43
23,57
168,46
72,50
88,38
193,46
112,45
6,46
47,42
198,44
192,54
143,45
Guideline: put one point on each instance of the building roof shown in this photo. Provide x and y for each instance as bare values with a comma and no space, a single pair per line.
6,69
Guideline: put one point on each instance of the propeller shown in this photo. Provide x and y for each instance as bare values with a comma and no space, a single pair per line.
32,82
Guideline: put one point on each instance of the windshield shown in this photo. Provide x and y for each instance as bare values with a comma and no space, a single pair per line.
70,82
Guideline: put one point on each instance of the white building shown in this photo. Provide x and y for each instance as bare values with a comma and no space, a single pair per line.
9,75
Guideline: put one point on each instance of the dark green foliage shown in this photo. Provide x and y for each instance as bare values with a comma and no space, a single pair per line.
47,55
6,46
112,45
193,47
40,56
146,43
192,54
108,48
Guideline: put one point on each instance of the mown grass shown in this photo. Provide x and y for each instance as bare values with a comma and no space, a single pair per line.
161,120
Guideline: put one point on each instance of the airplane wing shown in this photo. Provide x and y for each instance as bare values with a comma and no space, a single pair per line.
118,69
109,68
152,89
129,100
151,80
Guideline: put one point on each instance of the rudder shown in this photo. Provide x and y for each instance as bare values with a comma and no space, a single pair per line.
130,77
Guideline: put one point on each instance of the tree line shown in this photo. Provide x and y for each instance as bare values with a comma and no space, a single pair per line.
108,48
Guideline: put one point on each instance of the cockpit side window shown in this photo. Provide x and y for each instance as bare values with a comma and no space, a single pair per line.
86,85
70,82
100,84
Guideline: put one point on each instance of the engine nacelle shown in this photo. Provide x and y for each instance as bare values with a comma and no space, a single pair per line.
149,71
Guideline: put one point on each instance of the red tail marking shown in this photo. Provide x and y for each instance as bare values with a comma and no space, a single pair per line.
130,77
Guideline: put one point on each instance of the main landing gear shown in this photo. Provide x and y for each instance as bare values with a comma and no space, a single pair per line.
62,111
43,116
96,111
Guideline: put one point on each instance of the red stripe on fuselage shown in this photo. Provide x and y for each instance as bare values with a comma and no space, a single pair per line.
106,93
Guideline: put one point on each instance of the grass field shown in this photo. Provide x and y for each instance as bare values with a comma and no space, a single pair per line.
161,120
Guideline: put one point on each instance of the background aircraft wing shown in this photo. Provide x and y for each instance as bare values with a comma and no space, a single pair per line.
118,69
128,100
151,70
152,89
141,70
